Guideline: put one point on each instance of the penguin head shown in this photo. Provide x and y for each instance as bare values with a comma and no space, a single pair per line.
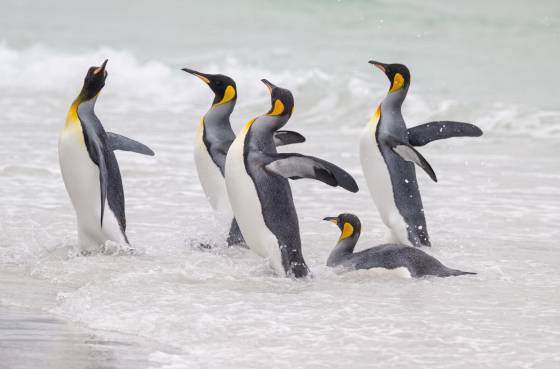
348,223
398,75
282,102
224,87
94,81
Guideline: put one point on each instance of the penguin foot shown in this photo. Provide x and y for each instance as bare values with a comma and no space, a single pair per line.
206,246
202,246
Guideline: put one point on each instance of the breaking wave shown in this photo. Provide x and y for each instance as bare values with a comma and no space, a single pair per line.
322,97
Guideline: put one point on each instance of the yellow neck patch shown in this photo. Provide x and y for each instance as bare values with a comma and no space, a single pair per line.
398,83
72,116
347,231
201,124
376,115
248,126
72,126
229,94
278,108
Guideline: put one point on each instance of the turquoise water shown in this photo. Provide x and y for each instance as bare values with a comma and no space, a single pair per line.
479,50
494,210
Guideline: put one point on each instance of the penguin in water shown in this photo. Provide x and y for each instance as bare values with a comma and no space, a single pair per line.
391,258
213,139
387,155
90,169
259,191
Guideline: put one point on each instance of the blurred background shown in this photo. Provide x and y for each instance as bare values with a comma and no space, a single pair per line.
498,55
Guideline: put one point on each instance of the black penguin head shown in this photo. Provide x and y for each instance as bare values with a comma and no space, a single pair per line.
348,223
398,75
94,81
282,101
224,87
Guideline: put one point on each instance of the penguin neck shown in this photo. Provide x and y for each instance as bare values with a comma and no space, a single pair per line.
392,103
217,117
263,130
343,249
81,103
87,105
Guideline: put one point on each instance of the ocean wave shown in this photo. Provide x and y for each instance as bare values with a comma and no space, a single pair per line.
151,84
323,97
518,120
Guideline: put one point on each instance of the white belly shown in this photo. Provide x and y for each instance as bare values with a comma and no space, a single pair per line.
211,179
380,186
81,178
247,207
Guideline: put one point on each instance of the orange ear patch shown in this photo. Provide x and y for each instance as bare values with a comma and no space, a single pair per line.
347,231
398,82
278,108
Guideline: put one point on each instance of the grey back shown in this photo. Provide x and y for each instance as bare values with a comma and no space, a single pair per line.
218,134
391,256
403,173
96,142
274,193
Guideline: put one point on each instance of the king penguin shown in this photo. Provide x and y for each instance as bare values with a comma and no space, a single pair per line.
213,139
402,260
259,191
387,157
90,170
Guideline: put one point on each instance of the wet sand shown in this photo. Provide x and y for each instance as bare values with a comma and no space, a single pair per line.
31,338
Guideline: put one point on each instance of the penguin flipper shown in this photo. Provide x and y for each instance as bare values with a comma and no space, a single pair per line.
297,166
96,150
428,132
408,153
120,142
282,138
103,185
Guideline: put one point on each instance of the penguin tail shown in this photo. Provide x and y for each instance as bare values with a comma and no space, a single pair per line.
456,273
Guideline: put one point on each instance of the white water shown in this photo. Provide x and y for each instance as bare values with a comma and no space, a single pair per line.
494,210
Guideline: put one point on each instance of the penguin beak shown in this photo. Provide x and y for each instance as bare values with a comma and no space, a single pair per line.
101,69
379,65
268,84
202,76
331,219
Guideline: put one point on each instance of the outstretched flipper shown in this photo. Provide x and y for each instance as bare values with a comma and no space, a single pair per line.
297,166
408,153
119,142
428,132
282,138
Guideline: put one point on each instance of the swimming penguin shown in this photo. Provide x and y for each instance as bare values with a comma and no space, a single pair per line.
213,139
90,169
393,258
387,156
259,191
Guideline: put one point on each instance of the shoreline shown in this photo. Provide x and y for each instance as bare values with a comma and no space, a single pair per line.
33,338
